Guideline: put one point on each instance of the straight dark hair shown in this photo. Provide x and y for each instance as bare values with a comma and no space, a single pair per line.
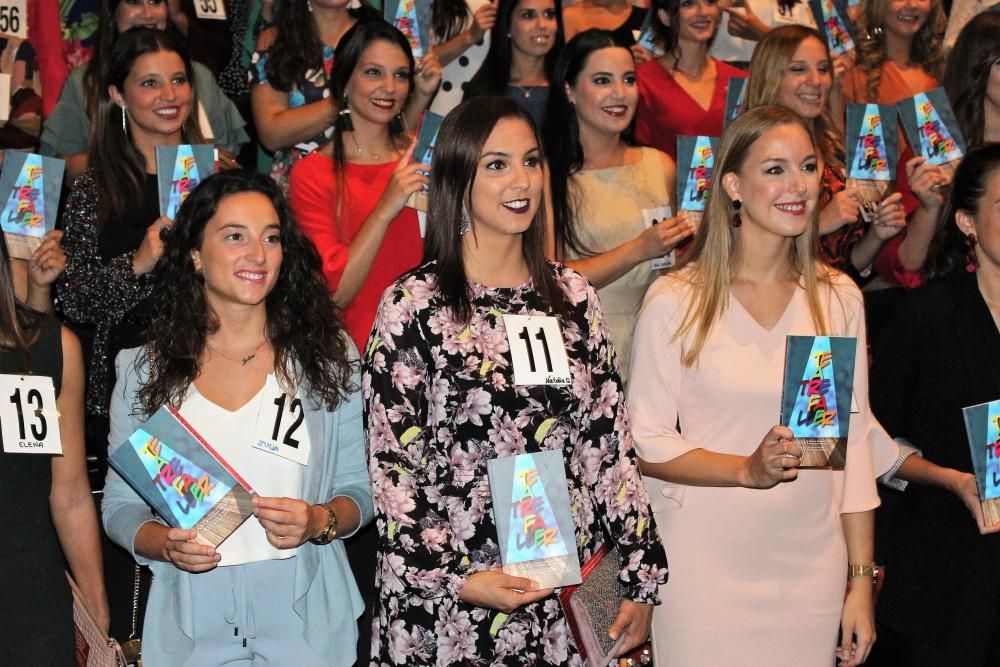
494,74
309,341
19,324
561,134
949,251
453,176
448,18
968,72
118,167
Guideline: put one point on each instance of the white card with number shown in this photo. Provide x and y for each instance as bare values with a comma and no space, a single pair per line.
29,417
537,350
281,428
654,216
210,9
14,18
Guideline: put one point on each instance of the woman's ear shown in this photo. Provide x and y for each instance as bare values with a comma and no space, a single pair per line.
731,184
965,222
569,94
196,258
116,96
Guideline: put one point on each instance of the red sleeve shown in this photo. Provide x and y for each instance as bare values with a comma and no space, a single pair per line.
45,27
312,192
888,266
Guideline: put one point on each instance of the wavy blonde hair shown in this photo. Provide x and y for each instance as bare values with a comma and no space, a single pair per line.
714,256
767,70
927,49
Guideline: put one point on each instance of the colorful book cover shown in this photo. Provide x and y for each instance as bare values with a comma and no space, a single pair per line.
831,17
816,397
694,176
736,97
423,153
182,478
647,37
30,185
931,128
532,515
413,19
871,149
179,170
982,425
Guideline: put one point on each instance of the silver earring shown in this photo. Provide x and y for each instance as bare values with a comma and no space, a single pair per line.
124,128
464,223
309,4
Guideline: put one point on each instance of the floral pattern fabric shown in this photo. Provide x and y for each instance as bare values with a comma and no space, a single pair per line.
439,403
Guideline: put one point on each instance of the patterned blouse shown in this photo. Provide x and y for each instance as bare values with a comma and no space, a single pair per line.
313,90
439,403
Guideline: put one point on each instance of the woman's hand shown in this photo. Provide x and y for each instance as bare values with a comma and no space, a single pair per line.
287,522
640,54
857,624
744,23
188,555
775,460
406,179
483,20
634,620
427,78
492,589
145,258
839,72
890,217
658,240
227,159
48,261
964,486
928,182
843,209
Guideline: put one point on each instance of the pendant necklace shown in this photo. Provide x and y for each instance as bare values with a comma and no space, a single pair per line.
243,361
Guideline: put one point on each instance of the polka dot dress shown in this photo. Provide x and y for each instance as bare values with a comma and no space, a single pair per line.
458,72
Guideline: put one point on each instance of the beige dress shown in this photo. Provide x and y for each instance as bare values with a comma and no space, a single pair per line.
757,577
609,205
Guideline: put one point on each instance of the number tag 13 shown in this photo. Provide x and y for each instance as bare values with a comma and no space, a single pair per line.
537,350
279,429
29,418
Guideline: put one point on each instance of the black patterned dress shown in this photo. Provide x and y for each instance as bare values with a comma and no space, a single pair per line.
440,402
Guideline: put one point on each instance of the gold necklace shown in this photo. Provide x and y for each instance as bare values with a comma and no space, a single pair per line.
244,360
374,156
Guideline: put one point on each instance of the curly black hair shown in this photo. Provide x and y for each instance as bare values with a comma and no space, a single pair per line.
310,344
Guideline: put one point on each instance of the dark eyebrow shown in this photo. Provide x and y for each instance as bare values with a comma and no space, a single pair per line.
494,154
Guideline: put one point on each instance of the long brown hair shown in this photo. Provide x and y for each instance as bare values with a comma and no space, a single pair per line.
927,49
715,254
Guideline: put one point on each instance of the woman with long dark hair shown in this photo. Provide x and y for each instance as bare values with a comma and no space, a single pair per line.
67,131
972,80
244,327
524,44
442,399
603,185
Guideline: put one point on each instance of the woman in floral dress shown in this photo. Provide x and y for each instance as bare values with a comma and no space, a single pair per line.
441,400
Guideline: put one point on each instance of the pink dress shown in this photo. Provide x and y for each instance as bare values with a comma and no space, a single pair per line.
756,576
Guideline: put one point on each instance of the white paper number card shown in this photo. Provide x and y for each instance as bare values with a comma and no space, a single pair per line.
654,216
280,429
210,9
537,350
29,417
14,18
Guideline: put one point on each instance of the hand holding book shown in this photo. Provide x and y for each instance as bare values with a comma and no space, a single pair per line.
180,549
775,460
492,589
287,522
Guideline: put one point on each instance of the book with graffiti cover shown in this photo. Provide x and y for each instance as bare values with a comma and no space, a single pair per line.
695,164
871,149
647,36
835,25
179,170
413,19
982,425
532,515
423,154
736,99
816,397
30,185
931,128
182,478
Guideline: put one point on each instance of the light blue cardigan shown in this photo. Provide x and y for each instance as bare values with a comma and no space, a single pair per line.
326,595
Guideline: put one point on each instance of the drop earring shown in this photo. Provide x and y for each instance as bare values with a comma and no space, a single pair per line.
971,260
737,221
345,122
124,126
464,223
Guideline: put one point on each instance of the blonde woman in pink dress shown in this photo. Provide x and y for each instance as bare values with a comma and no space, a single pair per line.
759,549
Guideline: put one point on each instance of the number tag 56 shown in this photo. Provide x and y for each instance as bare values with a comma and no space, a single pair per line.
537,350
29,419
280,430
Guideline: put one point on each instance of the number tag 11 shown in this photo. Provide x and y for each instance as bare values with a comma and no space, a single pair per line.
537,350
29,417
279,429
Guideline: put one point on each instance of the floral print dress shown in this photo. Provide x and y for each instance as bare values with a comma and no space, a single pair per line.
439,403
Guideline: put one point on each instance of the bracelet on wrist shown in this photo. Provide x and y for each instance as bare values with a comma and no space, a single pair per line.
872,570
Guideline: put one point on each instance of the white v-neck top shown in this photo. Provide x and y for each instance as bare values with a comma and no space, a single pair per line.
231,434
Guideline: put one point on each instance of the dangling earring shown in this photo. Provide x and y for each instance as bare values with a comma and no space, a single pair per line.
464,223
971,260
737,221
309,4
354,4
346,124
124,127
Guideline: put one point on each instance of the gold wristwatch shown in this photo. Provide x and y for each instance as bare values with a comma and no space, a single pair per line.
872,571
330,532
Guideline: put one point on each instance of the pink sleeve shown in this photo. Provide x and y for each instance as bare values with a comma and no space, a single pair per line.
313,197
655,385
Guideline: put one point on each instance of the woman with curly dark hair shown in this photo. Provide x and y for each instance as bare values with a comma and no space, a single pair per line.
245,333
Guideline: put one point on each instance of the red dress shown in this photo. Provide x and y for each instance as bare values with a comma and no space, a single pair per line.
313,196
666,110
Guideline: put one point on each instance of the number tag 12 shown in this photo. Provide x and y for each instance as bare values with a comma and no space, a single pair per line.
537,350
279,429
29,418
210,9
